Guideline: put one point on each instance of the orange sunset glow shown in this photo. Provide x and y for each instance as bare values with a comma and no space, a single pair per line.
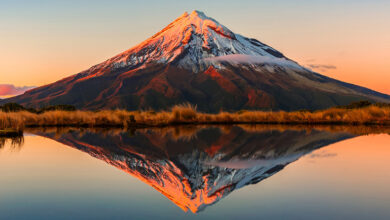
349,42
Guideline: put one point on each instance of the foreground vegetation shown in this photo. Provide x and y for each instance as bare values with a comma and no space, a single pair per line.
10,132
362,113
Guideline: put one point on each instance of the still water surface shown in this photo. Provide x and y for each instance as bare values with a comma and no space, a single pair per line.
196,173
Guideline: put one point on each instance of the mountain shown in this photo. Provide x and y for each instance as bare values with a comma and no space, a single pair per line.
196,59
198,168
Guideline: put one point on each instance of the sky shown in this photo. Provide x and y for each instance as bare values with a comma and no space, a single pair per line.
45,41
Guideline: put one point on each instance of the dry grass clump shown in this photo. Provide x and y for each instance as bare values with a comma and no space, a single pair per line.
12,120
187,114
184,112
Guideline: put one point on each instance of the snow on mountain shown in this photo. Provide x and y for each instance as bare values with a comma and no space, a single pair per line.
190,42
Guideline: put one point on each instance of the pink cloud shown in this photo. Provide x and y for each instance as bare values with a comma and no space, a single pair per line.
7,90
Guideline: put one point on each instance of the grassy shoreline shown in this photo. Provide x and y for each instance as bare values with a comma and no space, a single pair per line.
187,115
10,133
190,130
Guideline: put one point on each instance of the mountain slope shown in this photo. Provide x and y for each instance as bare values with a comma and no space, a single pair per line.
196,59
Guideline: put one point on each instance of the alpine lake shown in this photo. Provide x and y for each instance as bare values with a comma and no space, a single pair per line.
197,172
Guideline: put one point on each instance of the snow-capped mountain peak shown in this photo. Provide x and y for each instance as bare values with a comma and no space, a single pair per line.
191,42
198,60
197,23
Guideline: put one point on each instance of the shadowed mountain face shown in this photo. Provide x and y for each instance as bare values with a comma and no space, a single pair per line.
196,59
196,167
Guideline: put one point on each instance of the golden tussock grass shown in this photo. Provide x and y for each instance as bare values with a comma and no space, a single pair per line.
187,114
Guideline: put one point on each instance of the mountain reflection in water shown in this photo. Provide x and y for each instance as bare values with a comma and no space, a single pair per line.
195,167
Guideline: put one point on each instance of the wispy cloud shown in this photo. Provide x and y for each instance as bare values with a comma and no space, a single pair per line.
321,67
248,59
7,90
322,154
